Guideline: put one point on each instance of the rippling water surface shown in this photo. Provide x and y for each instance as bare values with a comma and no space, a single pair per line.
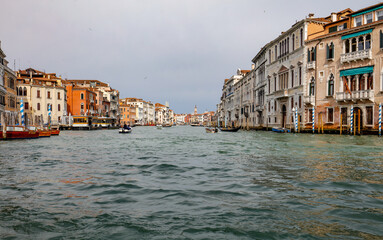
182,183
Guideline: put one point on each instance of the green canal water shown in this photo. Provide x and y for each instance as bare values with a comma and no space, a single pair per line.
183,183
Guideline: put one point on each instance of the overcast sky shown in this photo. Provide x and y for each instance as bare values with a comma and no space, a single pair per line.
178,51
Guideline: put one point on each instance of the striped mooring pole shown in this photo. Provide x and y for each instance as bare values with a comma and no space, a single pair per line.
352,119
380,119
49,115
22,111
296,120
313,119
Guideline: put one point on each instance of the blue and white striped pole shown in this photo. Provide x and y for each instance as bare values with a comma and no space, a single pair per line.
380,119
296,120
313,117
352,120
22,111
49,115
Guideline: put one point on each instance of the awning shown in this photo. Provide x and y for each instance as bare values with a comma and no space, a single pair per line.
356,34
356,71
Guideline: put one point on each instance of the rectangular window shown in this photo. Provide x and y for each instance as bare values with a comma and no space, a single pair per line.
38,93
343,112
38,106
333,29
292,78
26,106
58,96
310,116
49,94
300,75
58,108
358,21
370,115
330,115
368,18
379,15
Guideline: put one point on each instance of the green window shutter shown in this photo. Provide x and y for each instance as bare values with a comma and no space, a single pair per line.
327,51
308,55
315,54
381,39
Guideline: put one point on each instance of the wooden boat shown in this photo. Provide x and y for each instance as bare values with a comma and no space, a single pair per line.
55,132
230,129
280,130
125,130
211,130
18,132
159,126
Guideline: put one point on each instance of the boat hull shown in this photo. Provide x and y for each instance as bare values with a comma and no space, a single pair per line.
21,133
280,130
230,129
55,132
122,130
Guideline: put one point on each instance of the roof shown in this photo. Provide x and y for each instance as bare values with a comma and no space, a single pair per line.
365,9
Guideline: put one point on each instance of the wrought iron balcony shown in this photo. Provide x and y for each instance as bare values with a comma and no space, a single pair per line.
354,56
355,95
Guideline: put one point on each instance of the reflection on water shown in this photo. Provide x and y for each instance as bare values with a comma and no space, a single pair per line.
181,183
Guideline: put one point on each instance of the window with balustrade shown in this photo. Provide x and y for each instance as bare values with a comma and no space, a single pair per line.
359,43
311,54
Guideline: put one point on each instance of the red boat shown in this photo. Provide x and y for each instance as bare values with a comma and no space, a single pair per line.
18,132
55,132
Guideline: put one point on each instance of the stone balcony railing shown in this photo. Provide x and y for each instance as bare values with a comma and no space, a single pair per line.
281,93
355,95
311,65
353,56
309,100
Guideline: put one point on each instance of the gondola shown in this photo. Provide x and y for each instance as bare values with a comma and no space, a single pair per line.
230,129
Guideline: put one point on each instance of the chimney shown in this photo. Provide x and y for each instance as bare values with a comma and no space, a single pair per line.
311,15
333,17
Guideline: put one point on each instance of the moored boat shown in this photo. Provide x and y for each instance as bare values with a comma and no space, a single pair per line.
280,130
18,132
159,126
211,130
55,132
229,129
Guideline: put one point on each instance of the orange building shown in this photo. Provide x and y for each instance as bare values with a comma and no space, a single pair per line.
81,101
127,113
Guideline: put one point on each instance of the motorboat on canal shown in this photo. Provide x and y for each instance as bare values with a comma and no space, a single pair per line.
125,130
18,132
229,129
159,126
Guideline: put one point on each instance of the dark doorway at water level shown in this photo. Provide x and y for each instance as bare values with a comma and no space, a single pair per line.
283,116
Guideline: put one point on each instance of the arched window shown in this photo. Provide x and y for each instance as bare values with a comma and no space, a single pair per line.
331,85
25,91
353,45
362,82
288,45
353,83
312,87
330,51
82,96
347,46
360,44
368,42
20,91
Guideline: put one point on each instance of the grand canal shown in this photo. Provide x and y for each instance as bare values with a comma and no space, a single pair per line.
182,183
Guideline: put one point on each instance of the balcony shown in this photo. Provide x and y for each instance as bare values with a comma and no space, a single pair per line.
362,95
281,94
311,65
354,56
309,100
